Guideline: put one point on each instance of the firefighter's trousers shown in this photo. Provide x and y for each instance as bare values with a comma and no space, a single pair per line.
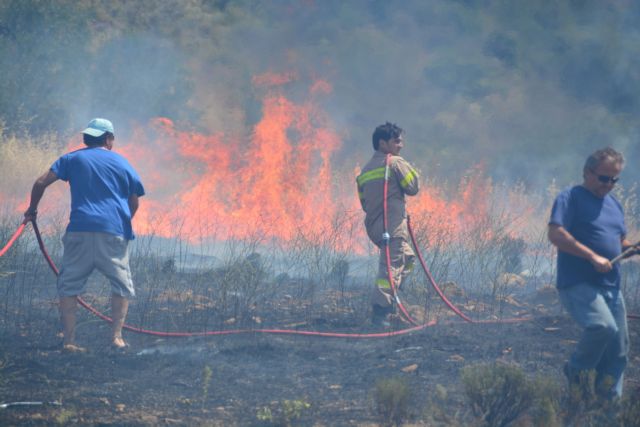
402,262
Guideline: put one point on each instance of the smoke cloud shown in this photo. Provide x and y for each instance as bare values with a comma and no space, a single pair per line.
526,90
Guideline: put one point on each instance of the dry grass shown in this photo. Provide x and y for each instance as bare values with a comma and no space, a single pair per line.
500,251
24,159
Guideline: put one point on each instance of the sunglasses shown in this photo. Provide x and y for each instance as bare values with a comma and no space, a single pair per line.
608,179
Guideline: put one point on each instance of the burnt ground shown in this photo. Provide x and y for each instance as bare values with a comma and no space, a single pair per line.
240,379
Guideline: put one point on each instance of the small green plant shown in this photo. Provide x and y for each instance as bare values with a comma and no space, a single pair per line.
264,414
545,408
286,413
293,409
64,416
391,398
498,393
207,373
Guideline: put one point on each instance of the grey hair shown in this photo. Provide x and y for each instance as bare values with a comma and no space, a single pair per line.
597,157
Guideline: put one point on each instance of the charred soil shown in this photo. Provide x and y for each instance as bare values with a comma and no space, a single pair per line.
265,379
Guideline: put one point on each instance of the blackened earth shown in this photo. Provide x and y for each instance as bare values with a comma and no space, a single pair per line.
250,379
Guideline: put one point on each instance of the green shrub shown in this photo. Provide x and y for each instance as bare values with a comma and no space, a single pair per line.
545,408
292,410
630,411
590,406
65,416
581,394
284,414
391,398
498,393
264,414
437,411
207,373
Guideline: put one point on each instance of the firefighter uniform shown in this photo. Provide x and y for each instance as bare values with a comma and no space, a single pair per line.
403,179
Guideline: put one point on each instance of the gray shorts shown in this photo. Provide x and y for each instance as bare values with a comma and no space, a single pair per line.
86,251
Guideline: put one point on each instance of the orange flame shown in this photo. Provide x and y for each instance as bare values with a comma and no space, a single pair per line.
276,183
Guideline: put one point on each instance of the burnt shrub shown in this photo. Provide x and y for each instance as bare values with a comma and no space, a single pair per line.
512,250
339,272
240,283
498,393
169,266
391,398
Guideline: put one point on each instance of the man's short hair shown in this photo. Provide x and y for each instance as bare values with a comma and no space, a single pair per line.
96,141
385,132
597,157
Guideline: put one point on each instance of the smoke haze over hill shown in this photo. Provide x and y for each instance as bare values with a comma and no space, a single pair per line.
525,89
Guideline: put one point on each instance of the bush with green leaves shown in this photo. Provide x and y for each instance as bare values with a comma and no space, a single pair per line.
545,409
391,397
286,413
499,393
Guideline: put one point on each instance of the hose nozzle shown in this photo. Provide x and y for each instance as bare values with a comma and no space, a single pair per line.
385,238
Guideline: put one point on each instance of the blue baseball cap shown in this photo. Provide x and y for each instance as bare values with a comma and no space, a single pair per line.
97,127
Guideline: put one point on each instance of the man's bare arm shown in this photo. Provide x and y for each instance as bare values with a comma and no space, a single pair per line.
133,204
37,191
565,242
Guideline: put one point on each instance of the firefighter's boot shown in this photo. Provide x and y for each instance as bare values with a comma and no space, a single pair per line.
380,315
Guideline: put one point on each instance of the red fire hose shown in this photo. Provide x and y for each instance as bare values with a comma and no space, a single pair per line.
206,333
408,330
12,240
386,240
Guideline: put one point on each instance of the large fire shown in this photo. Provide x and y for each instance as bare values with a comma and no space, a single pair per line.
275,183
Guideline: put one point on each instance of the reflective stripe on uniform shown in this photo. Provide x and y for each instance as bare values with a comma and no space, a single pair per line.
371,175
383,283
408,178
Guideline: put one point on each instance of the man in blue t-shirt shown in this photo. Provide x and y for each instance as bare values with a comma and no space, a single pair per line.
587,226
104,198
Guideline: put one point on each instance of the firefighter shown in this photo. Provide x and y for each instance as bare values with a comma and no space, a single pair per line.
403,180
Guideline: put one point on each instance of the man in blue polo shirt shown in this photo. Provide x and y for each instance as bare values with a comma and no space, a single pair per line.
587,226
104,198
